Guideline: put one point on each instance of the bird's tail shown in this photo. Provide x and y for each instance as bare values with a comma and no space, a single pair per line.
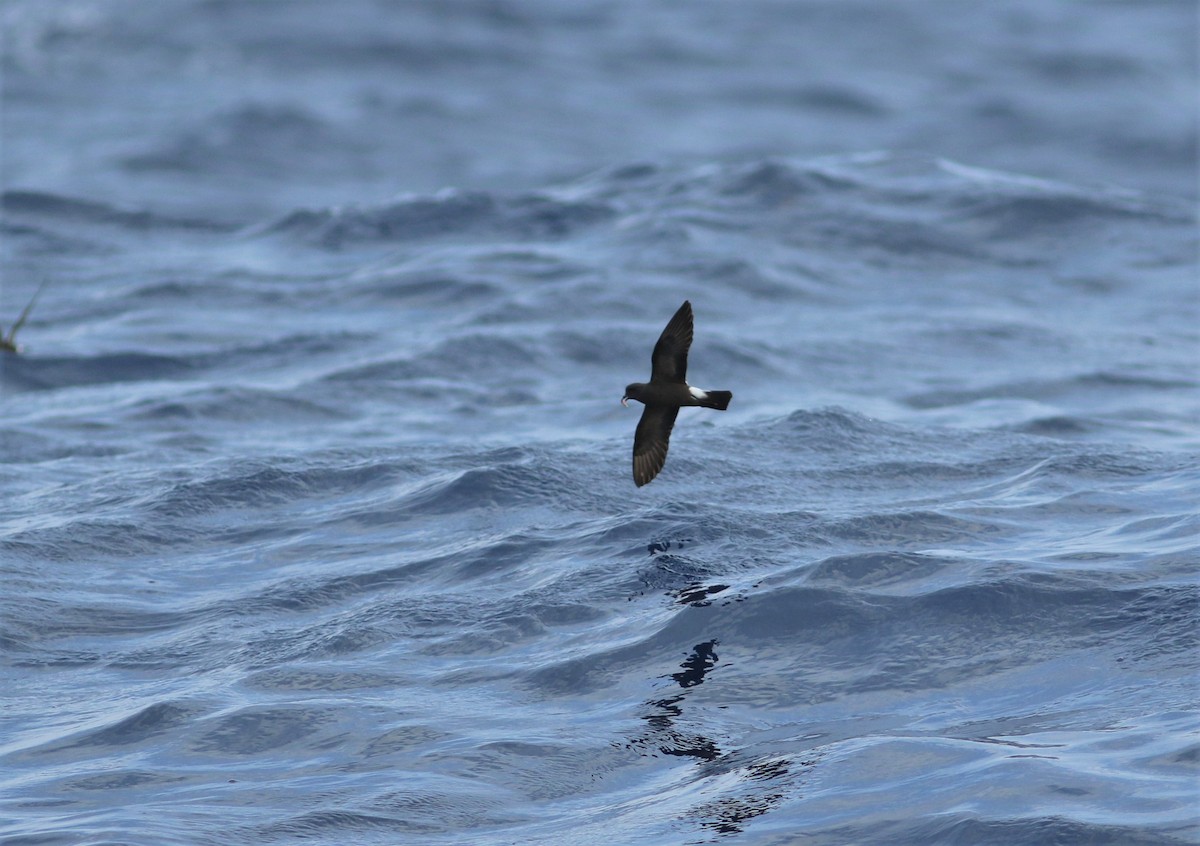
716,399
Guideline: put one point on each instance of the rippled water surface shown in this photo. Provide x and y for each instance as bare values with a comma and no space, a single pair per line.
318,522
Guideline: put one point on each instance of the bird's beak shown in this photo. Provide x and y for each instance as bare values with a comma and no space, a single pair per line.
625,401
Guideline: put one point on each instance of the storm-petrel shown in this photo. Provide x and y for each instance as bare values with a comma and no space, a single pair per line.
664,394
8,343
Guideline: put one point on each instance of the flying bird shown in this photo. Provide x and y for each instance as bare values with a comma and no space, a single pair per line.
665,393
8,343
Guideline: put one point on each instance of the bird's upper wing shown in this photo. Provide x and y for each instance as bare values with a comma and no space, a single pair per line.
11,341
669,361
650,442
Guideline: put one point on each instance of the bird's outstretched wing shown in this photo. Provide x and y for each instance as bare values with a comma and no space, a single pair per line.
669,361
10,341
650,442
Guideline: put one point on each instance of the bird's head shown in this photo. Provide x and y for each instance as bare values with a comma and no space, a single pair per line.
632,392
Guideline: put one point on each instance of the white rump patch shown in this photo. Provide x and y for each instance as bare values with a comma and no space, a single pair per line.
697,393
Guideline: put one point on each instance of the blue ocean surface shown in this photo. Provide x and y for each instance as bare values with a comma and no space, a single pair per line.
317,521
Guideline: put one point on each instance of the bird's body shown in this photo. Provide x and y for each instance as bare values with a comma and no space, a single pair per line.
665,393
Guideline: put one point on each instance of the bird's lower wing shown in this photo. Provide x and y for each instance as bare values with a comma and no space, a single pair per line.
650,442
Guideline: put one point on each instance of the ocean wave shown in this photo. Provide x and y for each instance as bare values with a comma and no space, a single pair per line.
258,138
965,829
512,482
947,635
148,723
1094,384
21,446
45,373
261,485
453,369
236,405
839,201
63,210
449,213
430,288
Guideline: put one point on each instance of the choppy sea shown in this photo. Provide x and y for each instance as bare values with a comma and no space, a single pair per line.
317,521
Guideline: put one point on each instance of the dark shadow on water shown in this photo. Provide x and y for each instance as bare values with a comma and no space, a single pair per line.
661,734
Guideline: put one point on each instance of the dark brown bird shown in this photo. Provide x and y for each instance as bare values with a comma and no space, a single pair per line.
8,343
665,393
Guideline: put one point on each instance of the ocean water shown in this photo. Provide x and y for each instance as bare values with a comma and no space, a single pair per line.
317,521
